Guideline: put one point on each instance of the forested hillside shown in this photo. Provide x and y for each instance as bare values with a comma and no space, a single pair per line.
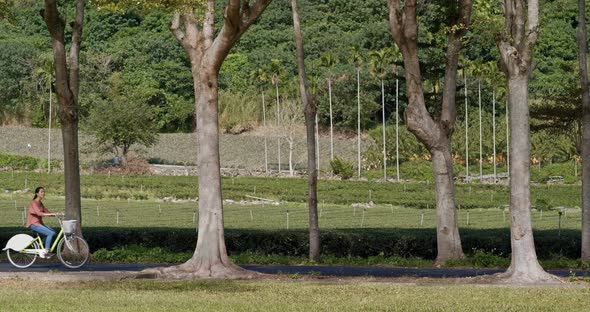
131,58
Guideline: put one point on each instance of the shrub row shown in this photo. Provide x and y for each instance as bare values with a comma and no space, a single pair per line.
18,162
341,243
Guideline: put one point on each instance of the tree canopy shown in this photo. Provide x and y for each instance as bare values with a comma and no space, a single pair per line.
136,44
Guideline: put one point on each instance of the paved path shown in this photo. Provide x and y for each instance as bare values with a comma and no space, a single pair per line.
322,270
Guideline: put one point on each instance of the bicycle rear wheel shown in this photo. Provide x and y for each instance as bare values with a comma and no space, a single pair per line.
22,260
73,251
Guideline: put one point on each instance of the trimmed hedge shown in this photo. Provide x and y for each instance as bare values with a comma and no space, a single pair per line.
341,243
18,162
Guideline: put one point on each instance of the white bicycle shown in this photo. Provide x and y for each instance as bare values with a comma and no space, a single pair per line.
72,250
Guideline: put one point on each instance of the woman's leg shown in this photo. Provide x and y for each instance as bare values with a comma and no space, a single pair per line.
46,231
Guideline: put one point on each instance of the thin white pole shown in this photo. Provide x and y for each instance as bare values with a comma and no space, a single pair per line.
466,132
278,124
384,147
480,134
397,128
317,141
49,131
507,141
331,123
265,135
494,130
358,140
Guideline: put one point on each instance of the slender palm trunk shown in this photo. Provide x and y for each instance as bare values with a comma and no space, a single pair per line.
384,145
480,134
49,131
265,135
494,131
291,146
317,142
358,130
278,125
397,129
331,122
507,140
466,132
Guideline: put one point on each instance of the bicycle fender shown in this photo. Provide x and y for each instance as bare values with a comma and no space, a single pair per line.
19,242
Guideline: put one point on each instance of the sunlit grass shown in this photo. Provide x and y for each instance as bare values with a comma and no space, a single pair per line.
283,296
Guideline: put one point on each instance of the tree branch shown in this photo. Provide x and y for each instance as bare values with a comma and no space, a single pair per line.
395,20
448,113
77,26
174,26
237,20
209,25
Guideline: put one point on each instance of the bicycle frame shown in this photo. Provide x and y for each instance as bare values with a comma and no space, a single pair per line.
39,241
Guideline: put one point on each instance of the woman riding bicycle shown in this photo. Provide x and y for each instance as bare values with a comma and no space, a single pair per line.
35,220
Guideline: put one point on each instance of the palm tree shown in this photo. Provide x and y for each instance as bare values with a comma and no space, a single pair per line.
379,62
262,76
277,71
45,76
356,58
328,61
476,68
314,82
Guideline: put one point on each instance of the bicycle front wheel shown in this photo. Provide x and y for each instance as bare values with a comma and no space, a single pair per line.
73,251
22,260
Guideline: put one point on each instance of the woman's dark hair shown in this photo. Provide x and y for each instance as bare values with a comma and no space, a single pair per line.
37,191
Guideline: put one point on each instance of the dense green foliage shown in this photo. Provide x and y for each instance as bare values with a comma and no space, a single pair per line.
399,242
137,46
122,120
341,168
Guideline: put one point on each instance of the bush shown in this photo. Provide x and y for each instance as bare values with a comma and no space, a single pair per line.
341,168
18,162
489,246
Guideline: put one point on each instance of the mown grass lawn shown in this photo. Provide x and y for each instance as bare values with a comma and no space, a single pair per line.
283,296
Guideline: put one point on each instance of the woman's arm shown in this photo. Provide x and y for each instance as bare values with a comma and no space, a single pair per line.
40,210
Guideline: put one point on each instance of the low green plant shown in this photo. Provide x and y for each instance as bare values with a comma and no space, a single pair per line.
342,168
18,162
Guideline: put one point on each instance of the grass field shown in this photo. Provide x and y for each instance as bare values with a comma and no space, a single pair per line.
282,216
283,296
342,204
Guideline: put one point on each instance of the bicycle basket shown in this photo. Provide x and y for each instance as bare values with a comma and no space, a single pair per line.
69,226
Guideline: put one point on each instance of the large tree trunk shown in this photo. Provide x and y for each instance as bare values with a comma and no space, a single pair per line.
210,257
447,234
309,109
207,52
434,134
516,52
67,94
583,61
524,266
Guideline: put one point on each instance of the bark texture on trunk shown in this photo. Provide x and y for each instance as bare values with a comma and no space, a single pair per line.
435,134
448,241
207,53
516,52
309,110
67,94
583,61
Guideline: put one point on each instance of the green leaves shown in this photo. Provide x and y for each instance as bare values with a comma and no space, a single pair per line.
148,5
122,120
